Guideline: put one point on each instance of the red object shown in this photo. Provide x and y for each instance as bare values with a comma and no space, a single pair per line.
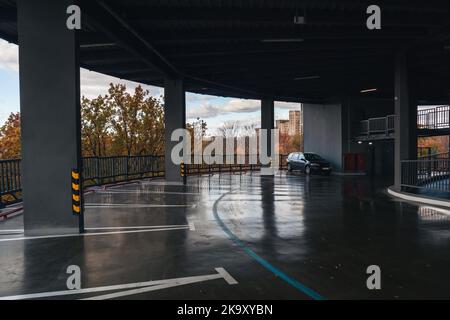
361,162
354,162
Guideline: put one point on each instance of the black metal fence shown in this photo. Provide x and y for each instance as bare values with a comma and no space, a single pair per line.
10,181
98,171
426,175
104,170
235,163
434,118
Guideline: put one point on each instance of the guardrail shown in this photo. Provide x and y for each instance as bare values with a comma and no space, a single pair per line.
382,125
434,118
426,175
104,170
434,156
238,163
10,181
430,118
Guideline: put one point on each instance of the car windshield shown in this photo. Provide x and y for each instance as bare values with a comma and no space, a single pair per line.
312,157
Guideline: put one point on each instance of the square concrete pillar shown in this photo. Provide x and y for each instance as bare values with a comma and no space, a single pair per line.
268,119
50,109
405,117
175,118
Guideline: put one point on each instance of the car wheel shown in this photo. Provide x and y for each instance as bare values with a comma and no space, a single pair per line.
289,167
308,170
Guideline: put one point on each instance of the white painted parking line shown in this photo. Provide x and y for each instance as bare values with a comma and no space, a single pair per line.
92,234
145,287
121,185
136,205
191,226
12,231
162,183
139,227
192,186
146,192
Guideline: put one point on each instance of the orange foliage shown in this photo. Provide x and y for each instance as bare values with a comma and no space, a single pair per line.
10,137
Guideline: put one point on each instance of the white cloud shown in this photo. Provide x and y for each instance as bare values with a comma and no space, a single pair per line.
287,105
207,110
9,57
94,84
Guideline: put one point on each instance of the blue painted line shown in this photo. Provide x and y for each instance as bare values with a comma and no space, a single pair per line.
296,284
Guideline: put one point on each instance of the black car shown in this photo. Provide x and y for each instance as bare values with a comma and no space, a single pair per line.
308,162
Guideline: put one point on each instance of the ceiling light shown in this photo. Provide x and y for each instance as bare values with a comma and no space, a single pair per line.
369,90
282,40
97,45
299,20
307,78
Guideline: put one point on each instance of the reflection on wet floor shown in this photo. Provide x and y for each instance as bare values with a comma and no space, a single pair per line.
323,232
433,214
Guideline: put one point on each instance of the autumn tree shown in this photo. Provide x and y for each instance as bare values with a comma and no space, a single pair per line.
151,127
137,121
95,125
10,137
118,123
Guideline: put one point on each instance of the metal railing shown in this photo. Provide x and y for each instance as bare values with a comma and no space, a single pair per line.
104,170
434,118
425,175
237,163
382,125
430,118
433,156
101,170
10,181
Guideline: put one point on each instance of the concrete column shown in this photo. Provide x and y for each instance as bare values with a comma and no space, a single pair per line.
50,109
323,131
406,117
268,119
175,118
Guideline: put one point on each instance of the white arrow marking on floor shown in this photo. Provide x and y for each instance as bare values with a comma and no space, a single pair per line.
146,286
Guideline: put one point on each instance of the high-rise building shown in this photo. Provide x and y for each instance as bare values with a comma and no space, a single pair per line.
293,126
294,122
283,126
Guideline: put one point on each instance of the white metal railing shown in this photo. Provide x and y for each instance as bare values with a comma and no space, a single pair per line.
381,125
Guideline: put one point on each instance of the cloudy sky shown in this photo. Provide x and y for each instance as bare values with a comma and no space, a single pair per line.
214,110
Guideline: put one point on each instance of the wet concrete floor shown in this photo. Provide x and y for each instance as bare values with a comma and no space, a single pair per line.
285,237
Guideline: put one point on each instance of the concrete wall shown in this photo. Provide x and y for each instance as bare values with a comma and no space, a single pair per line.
323,131
329,130
379,156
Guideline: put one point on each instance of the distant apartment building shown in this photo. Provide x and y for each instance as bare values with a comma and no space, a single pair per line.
283,126
293,126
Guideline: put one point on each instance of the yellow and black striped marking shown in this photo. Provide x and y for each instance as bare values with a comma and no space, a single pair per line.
76,192
182,169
